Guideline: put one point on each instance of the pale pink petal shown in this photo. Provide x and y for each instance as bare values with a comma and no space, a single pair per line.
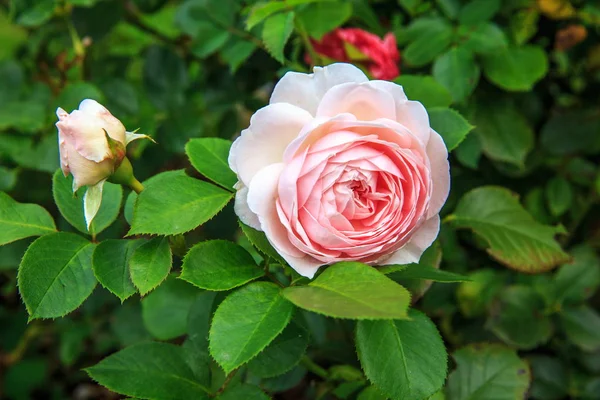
262,197
271,130
307,90
86,135
411,114
363,100
440,173
84,171
112,125
92,107
420,240
242,210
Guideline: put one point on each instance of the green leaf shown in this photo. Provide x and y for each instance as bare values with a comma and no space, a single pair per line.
173,204
371,393
582,326
503,131
577,281
243,391
524,24
71,205
165,77
132,197
55,275
452,126
488,371
559,195
165,310
352,290
150,264
477,11
37,14
550,378
261,11
209,157
432,38
483,38
276,32
18,221
322,17
8,178
196,345
219,265
236,51
579,123
515,238
475,297
425,89
111,266
457,70
404,359
150,371
519,318
283,354
469,151
516,68
260,241
246,322
418,271
210,38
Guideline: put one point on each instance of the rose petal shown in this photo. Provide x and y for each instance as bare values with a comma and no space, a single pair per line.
363,100
242,210
307,90
262,197
420,240
440,173
271,130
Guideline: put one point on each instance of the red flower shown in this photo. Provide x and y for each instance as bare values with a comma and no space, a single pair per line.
380,57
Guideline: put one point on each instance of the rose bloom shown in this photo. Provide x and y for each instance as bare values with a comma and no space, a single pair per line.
380,57
340,168
92,146
84,148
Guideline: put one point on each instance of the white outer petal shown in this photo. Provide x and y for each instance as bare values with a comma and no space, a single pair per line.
440,173
307,90
419,242
242,210
271,130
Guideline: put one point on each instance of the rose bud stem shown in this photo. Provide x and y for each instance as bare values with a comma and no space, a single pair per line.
124,176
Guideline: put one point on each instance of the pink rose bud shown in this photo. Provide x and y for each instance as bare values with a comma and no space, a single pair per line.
340,168
379,56
92,147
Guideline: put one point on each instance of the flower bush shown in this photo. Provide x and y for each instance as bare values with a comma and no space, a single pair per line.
338,199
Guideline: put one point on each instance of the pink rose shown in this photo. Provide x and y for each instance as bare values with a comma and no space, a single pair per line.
379,56
84,148
340,168
92,146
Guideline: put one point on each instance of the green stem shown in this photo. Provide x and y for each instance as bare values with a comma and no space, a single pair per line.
314,367
226,382
315,59
136,186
